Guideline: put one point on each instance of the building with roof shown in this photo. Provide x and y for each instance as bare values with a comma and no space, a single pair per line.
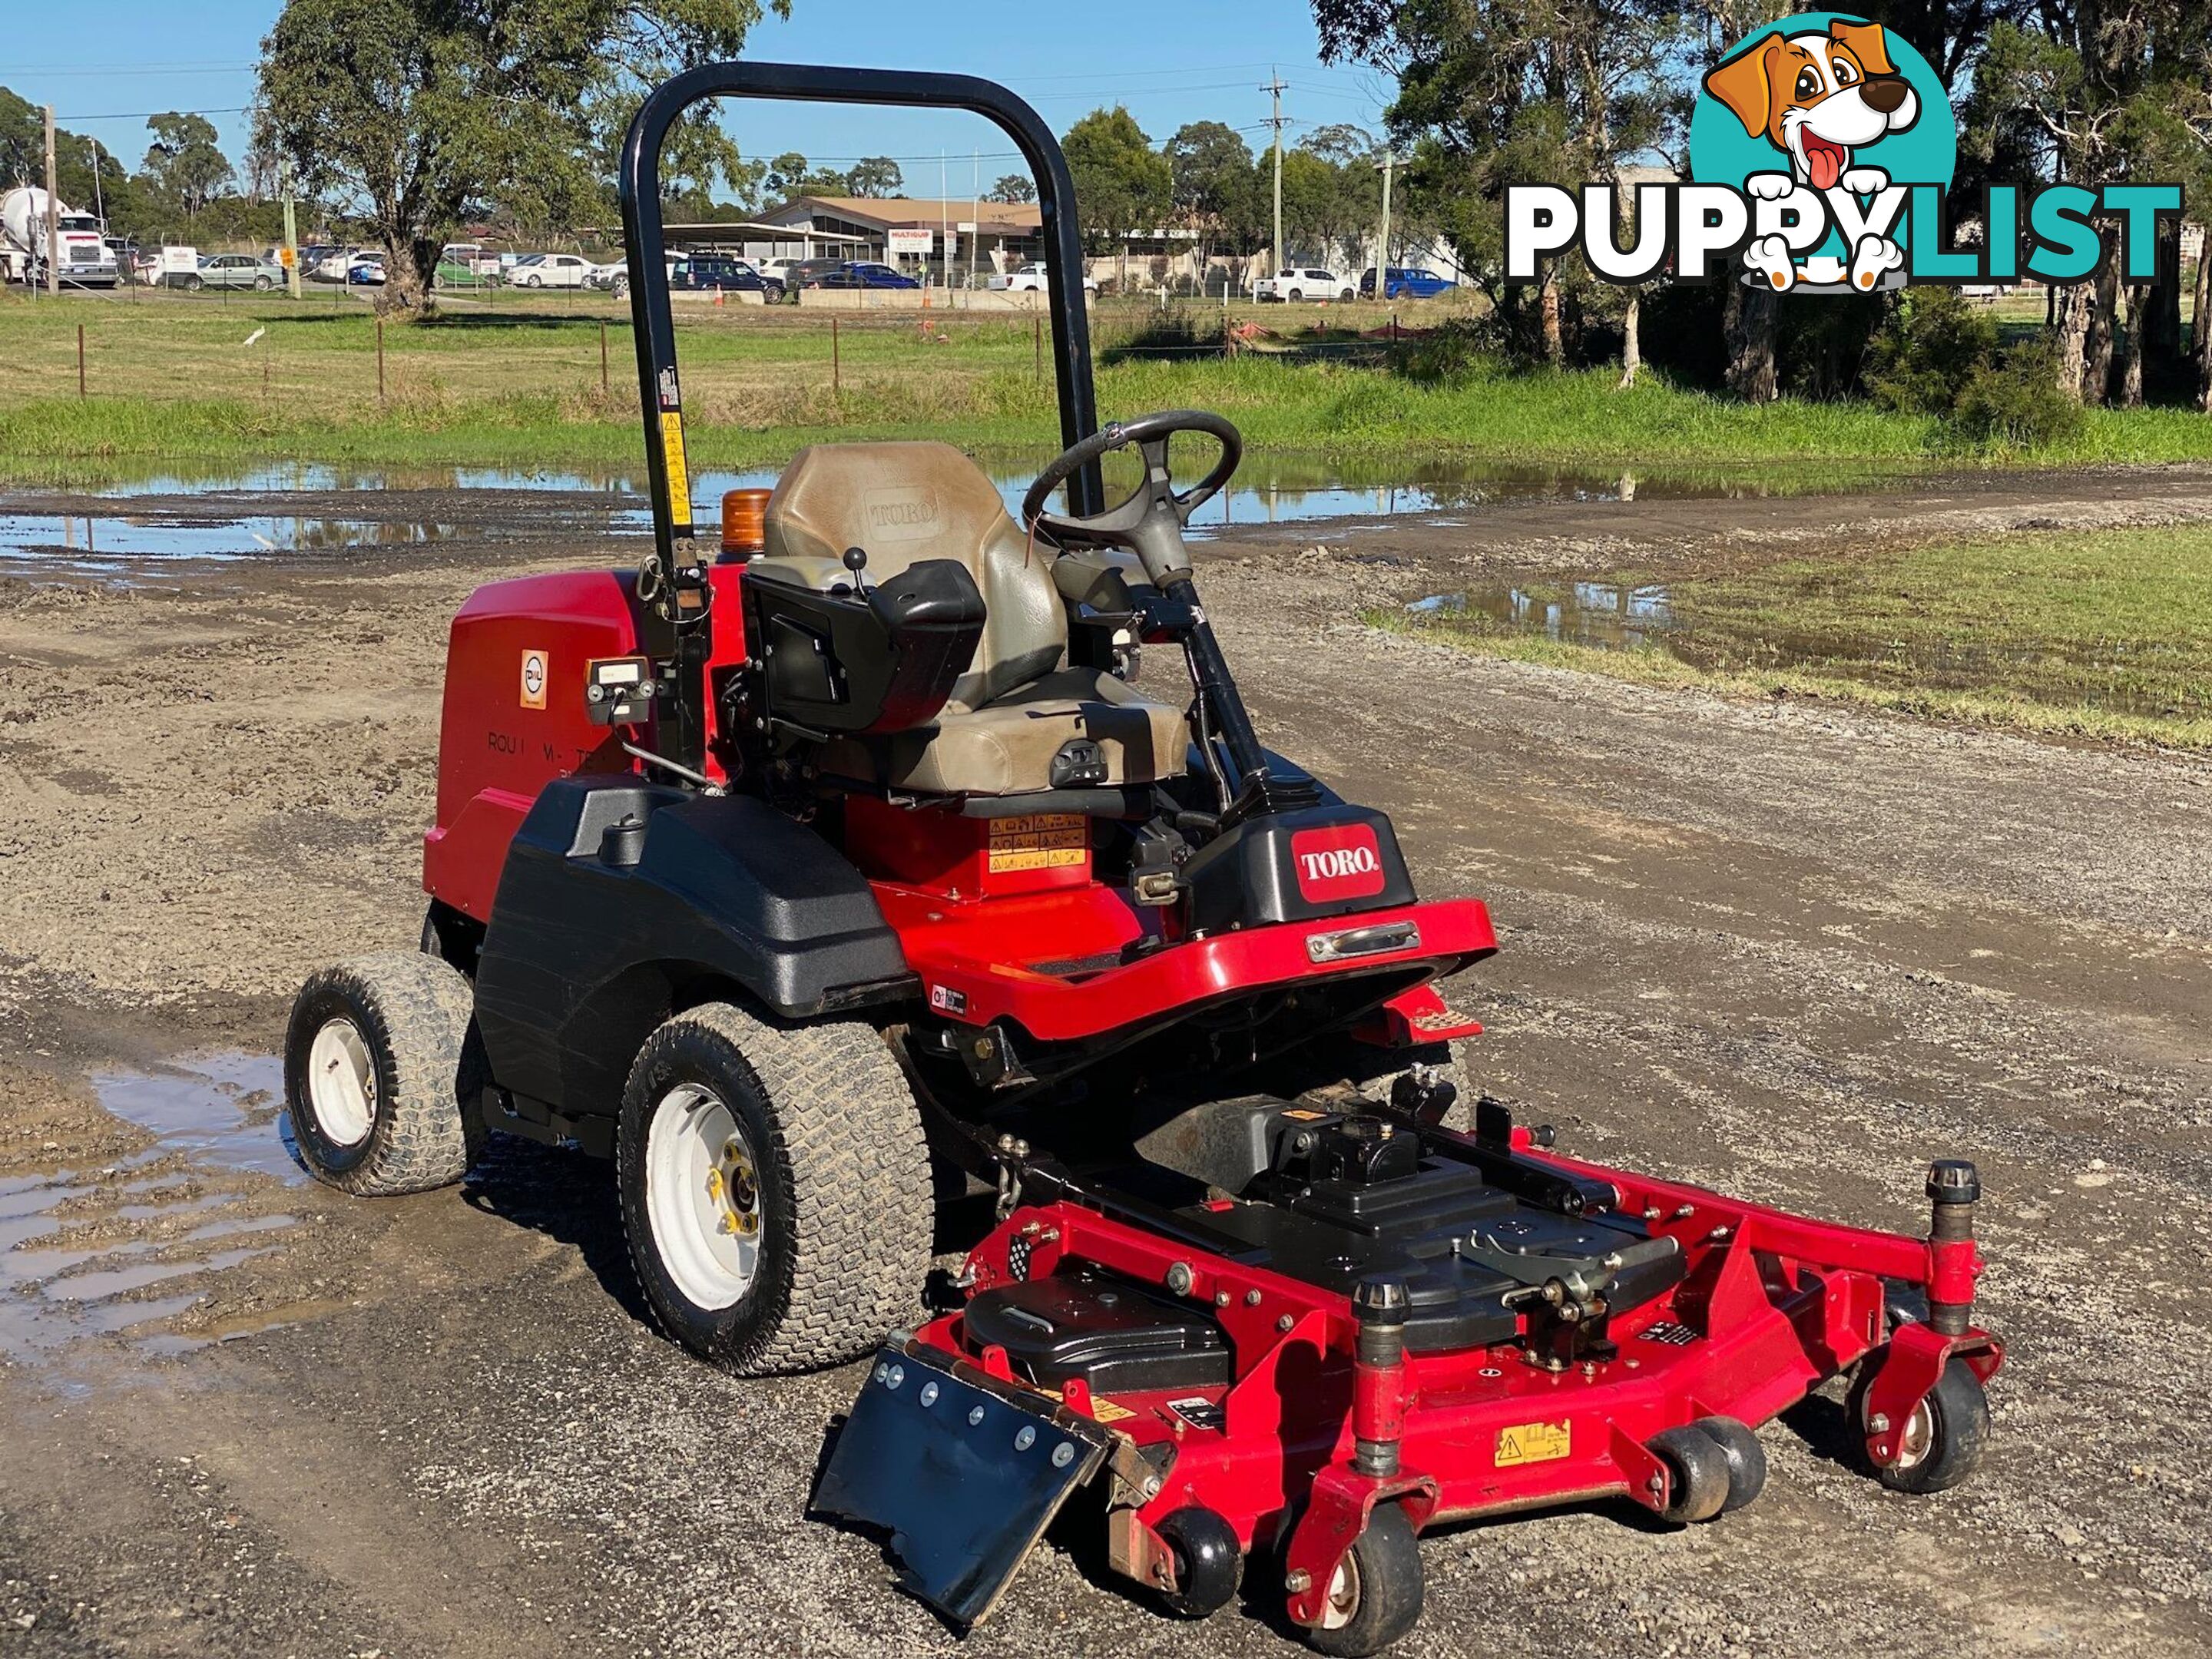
963,235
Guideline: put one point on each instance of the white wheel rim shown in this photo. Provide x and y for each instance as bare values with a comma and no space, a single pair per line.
1918,1438
703,1197
341,1083
1341,1605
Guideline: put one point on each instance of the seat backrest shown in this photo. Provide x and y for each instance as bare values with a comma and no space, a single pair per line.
902,502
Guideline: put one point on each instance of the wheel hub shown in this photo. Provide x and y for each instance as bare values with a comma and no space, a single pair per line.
734,1189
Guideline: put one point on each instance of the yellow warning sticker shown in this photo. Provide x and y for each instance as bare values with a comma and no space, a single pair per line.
1105,1411
1534,1442
1043,841
679,470
1303,1115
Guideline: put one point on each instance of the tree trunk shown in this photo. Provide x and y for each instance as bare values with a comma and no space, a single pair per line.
2133,345
407,273
1748,327
2162,321
2200,324
1555,346
2074,305
1632,347
2104,333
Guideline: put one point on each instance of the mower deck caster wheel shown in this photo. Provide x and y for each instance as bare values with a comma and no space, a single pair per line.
381,1072
1208,1562
1696,1474
1943,1439
1377,1594
1746,1459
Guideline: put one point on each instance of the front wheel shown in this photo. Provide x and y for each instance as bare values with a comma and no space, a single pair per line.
1345,296
1943,1439
1376,1596
262,285
775,1189
194,284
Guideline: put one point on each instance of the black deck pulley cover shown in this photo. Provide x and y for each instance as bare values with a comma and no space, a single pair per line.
1115,1335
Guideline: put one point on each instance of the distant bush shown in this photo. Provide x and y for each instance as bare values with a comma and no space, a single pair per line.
1941,355
1451,354
1177,332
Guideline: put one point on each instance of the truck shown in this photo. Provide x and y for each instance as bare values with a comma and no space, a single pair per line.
84,259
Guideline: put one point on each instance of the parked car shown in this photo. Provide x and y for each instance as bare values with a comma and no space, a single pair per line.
337,264
465,265
1405,282
1034,278
862,273
366,270
550,271
229,271
724,275
603,276
779,270
806,273
1303,283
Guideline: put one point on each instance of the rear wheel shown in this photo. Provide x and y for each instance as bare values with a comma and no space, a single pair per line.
381,1070
1376,1596
775,1188
194,284
262,284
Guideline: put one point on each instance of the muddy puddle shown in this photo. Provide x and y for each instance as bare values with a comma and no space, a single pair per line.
174,516
122,1249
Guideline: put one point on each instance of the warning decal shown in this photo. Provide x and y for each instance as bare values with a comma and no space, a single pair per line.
679,469
1534,1442
1043,840
537,670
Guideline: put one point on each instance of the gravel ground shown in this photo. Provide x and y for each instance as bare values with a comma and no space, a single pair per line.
1788,951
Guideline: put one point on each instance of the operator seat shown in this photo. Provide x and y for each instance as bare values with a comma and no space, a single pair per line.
1016,705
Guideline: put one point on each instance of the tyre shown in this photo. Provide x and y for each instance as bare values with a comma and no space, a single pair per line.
262,285
1376,1596
1943,1439
381,1072
1746,1459
194,284
775,1188
1697,1474
1297,294
533,282
1208,1562
1346,294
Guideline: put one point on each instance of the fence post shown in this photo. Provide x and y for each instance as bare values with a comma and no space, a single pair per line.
380,360
836,366
80,363
1036,344
604,388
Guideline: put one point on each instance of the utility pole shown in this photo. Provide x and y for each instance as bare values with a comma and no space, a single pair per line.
1389,163
292,229
53,217
1275,89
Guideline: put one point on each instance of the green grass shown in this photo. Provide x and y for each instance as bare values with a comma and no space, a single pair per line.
172,379
2103,634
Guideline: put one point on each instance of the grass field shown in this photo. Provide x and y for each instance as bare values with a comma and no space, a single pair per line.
2103,634
174,378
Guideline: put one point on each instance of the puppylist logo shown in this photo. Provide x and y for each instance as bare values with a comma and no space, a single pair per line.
1821,149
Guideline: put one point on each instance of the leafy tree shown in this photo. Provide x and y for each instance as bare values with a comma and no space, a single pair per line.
785,176
1122,183
875,176
1341,143
1213,182
1012,187
410,110
184,162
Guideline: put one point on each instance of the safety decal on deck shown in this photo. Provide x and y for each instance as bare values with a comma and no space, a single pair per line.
1200,1412
679,470
1534,1442
946,1001
1102,1410
537,670
1043,841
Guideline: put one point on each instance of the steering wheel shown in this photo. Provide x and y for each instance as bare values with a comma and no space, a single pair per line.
1150,523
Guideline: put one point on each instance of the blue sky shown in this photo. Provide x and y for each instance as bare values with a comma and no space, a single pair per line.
1170,61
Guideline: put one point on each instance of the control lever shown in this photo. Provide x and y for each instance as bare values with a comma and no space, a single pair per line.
856,561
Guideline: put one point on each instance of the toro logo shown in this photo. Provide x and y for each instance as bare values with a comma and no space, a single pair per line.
1341,863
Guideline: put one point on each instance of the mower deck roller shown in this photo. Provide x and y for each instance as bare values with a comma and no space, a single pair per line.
788,878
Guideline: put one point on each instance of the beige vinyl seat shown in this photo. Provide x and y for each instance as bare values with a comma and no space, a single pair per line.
1016,705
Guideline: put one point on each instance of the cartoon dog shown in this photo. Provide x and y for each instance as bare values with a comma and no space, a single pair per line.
1817,97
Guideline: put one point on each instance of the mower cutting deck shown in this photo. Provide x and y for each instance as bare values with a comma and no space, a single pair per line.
774,875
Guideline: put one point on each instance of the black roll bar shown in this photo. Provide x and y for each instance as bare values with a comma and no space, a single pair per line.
639,185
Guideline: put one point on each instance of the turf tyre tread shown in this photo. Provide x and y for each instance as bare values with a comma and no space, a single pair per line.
415,1014
848,1143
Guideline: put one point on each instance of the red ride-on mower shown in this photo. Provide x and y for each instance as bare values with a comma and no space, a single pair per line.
771,876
